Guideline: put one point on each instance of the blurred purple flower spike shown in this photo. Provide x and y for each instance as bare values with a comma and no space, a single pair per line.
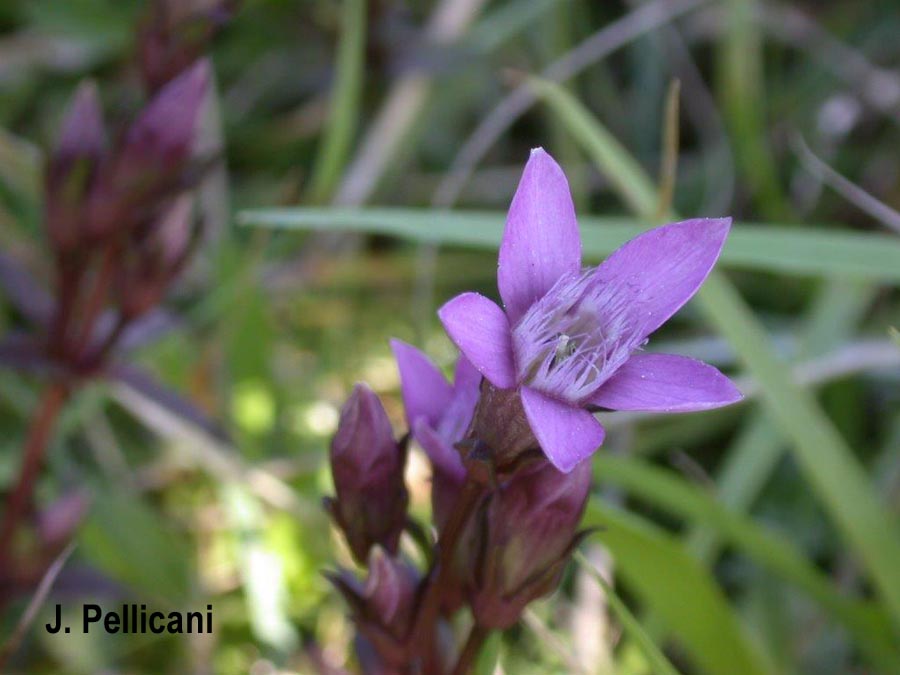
161,138
155,158
569,337
71,168
438,415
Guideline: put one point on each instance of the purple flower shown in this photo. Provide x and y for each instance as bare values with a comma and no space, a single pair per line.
438,415
569,338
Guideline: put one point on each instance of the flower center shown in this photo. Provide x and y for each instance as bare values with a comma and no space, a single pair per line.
574,338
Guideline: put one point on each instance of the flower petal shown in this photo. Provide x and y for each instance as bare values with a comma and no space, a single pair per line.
541,240
666,383
426,392
566,434
457,416
444,458
466,377
660,270
480,330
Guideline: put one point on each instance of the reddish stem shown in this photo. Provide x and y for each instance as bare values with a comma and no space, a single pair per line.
95,301
19,500
430,606
469,654
68,286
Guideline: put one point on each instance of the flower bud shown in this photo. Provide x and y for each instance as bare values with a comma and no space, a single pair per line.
73,163
367,466
530,531
154,156
383,608
161,137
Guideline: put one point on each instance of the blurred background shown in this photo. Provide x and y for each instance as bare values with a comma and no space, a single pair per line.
759,538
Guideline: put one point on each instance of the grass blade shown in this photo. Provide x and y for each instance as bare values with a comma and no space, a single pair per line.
753,456
344,104
663,489
743,94
679,590
657,660
787,249
827,462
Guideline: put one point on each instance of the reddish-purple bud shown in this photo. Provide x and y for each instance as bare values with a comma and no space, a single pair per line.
73,163
384,606
162,136
157,258
82,134
367,466
153,157
530,530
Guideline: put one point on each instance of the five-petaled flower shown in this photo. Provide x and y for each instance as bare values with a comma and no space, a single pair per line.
569,340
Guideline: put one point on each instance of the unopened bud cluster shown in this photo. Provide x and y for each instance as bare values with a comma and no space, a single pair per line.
503,533
119,215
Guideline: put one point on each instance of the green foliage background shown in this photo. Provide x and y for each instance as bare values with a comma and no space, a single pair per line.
759,539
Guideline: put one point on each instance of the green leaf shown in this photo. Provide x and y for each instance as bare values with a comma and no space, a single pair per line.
827,461
758,446
870,628
627,175
262,572
489,656
131,542
742,90
344,104
789,249
681,592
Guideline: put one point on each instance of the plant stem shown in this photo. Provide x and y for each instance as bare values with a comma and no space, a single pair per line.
68,288
429,608
94,302
469,654
39,433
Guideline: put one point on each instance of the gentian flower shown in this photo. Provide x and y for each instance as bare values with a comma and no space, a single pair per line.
568,340
438,415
